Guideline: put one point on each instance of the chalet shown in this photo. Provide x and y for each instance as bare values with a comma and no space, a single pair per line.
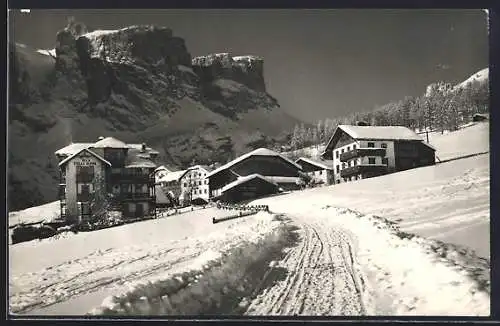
126,171
248,187
257,172
170,186
161,171
194,184
359,152
321,172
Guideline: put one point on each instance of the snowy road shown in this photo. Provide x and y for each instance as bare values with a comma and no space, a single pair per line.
323,278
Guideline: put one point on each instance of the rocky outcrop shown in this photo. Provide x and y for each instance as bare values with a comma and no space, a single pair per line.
138,84
247,70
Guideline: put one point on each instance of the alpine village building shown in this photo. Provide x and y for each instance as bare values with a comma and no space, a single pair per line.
255,174
124,170
359,152
320,172
194,185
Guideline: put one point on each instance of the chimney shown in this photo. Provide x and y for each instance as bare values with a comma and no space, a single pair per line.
101,138
143,148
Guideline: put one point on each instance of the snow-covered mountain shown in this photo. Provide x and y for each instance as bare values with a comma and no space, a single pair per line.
481,76
138,84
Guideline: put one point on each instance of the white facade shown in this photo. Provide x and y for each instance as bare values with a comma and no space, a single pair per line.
74,188
338,165
194,184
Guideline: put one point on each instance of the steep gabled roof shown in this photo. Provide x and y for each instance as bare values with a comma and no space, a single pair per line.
321,164
69,158
245,179
380,132
257,152
73,148
172,176
163,168
373,133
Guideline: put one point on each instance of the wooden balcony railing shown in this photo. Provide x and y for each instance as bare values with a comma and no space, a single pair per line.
360,152
359,169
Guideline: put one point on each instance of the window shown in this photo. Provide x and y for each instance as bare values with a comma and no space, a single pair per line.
385,161
85,207
84,173
342,150
354,146
185,184
355,162
131,207
205,191
199,183
338,168
383,145
371,144
371,160
348,148
338,181
337,154
320,172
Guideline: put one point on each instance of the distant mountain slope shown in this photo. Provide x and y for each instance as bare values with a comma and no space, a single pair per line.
481,76
138,84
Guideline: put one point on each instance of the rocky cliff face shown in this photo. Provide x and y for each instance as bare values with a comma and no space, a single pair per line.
138,84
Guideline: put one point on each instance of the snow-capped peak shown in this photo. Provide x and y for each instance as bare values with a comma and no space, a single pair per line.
246,58
51,52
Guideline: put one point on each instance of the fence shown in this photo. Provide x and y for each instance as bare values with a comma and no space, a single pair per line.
264,208
241,214
245,210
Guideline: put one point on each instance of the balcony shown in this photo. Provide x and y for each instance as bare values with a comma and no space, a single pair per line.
136,196
372,169
360,152
130,178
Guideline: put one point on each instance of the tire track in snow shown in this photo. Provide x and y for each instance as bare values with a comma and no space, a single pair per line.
322,279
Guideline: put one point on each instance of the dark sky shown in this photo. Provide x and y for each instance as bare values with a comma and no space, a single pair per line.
317,63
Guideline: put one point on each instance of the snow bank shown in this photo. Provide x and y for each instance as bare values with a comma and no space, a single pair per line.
409,275
218,282
43,213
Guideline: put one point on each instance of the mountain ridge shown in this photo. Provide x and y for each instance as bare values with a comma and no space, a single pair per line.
137,84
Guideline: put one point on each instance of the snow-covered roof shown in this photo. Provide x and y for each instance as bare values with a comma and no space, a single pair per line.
69,158
380,132
373,133
257,152
110,142
321,164
199,166
73,148
172,176
278,179
162,168
139,146
244,179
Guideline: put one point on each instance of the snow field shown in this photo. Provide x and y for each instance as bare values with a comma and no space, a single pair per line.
412,273
112,261
218,282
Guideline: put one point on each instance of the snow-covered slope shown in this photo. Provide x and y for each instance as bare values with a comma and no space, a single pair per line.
480,77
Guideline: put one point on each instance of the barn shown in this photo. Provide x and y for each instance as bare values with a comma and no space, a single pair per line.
261,164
